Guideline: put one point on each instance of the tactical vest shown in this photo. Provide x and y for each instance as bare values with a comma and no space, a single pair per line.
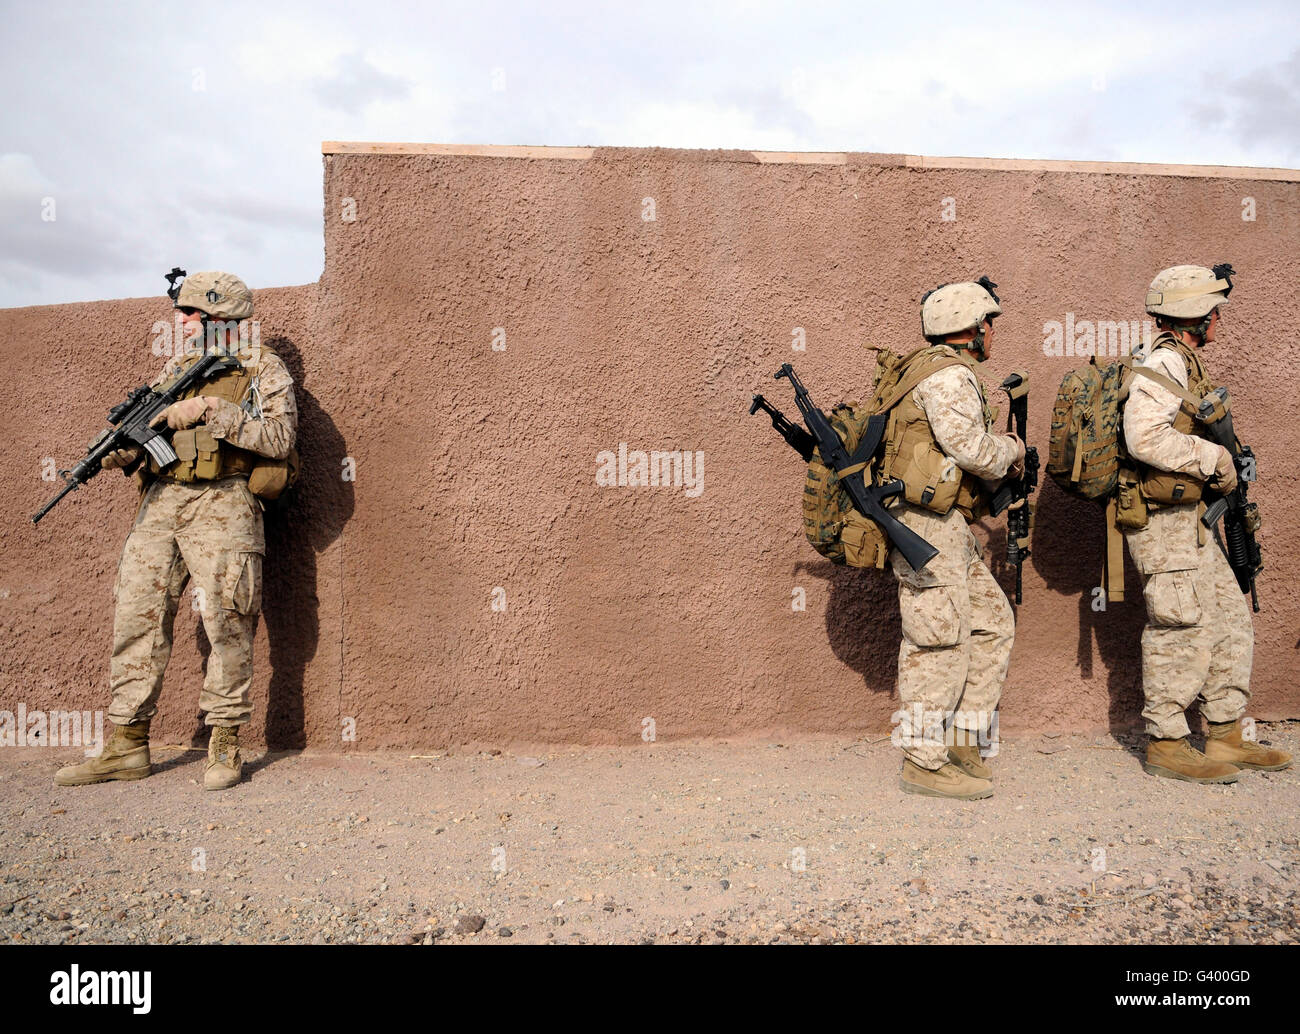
1161,486
200,456
931,479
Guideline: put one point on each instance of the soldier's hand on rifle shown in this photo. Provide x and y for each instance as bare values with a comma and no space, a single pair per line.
1225,473
1018,467
183,414
120,458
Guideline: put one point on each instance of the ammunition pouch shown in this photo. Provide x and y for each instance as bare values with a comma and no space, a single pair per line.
201,457
931,479
864,543
1131,510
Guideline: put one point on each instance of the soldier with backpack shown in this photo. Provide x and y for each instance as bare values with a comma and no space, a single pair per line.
1199,641
957,624
925,436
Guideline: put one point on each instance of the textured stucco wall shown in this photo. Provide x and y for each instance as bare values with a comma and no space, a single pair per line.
476,468
68,364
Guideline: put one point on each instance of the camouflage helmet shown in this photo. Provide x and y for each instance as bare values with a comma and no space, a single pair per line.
952,308
221,295
1189,292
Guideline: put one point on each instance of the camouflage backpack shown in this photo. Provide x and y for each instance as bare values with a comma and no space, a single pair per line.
1084,452
826,506
1086,455
830,522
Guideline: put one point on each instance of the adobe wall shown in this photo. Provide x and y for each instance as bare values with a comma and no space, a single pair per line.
476,467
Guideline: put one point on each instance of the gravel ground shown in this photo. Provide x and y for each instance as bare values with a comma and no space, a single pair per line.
764,841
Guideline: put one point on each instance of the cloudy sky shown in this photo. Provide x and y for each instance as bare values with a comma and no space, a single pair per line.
189,134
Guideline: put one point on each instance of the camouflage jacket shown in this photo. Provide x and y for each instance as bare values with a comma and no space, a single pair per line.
955,409
267,423
1149,414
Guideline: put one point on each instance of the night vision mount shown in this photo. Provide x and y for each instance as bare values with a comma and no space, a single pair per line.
173,288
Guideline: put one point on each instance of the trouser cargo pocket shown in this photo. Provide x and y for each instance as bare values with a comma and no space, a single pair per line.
930,617
242,591
1172,600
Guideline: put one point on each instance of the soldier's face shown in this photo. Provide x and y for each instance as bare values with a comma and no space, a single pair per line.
191,323
988,339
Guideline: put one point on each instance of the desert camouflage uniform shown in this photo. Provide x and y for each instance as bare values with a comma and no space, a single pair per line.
1199,639
957,623
211,532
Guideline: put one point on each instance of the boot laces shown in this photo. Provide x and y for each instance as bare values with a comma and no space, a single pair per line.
223,745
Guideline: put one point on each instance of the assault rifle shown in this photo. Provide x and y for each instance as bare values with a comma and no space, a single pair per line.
868,499
1240,517
1020,520
132,421
799,439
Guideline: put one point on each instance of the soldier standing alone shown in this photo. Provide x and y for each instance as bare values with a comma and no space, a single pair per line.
198,520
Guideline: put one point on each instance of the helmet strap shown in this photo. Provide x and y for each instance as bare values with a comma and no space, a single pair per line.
1199,329
1203,327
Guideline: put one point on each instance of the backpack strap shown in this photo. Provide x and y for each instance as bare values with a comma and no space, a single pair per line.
1168,383
918,369
1112,575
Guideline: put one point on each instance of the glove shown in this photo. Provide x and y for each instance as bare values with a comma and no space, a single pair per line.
120,458
183,414
1225,474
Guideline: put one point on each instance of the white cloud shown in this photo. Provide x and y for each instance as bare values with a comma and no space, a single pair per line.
228,176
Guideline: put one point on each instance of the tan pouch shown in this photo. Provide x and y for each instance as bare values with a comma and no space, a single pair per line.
270,478
972,498
207,455
930,478
1131,508
186,452
864,543
1159,486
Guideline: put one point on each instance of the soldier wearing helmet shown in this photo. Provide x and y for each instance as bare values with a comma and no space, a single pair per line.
957,623
1199,641
200,521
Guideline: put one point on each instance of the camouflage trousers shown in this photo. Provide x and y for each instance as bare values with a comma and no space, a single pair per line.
209,532
1199,641
957,634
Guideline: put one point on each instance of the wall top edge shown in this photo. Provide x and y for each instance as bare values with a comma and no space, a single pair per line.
332,147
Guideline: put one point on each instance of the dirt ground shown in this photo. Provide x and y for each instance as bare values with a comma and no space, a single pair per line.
806,840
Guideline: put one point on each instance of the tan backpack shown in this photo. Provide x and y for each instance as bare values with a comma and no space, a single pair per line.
831,524
1086,456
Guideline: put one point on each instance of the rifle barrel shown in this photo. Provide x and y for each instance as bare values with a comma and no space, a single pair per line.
36,518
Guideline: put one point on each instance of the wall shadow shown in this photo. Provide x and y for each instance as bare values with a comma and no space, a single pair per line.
1068,552
862,622
298,529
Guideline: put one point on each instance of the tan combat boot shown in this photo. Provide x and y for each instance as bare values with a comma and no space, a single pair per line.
969,761
224,761
125,756
1223,742
1178,759
948,781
